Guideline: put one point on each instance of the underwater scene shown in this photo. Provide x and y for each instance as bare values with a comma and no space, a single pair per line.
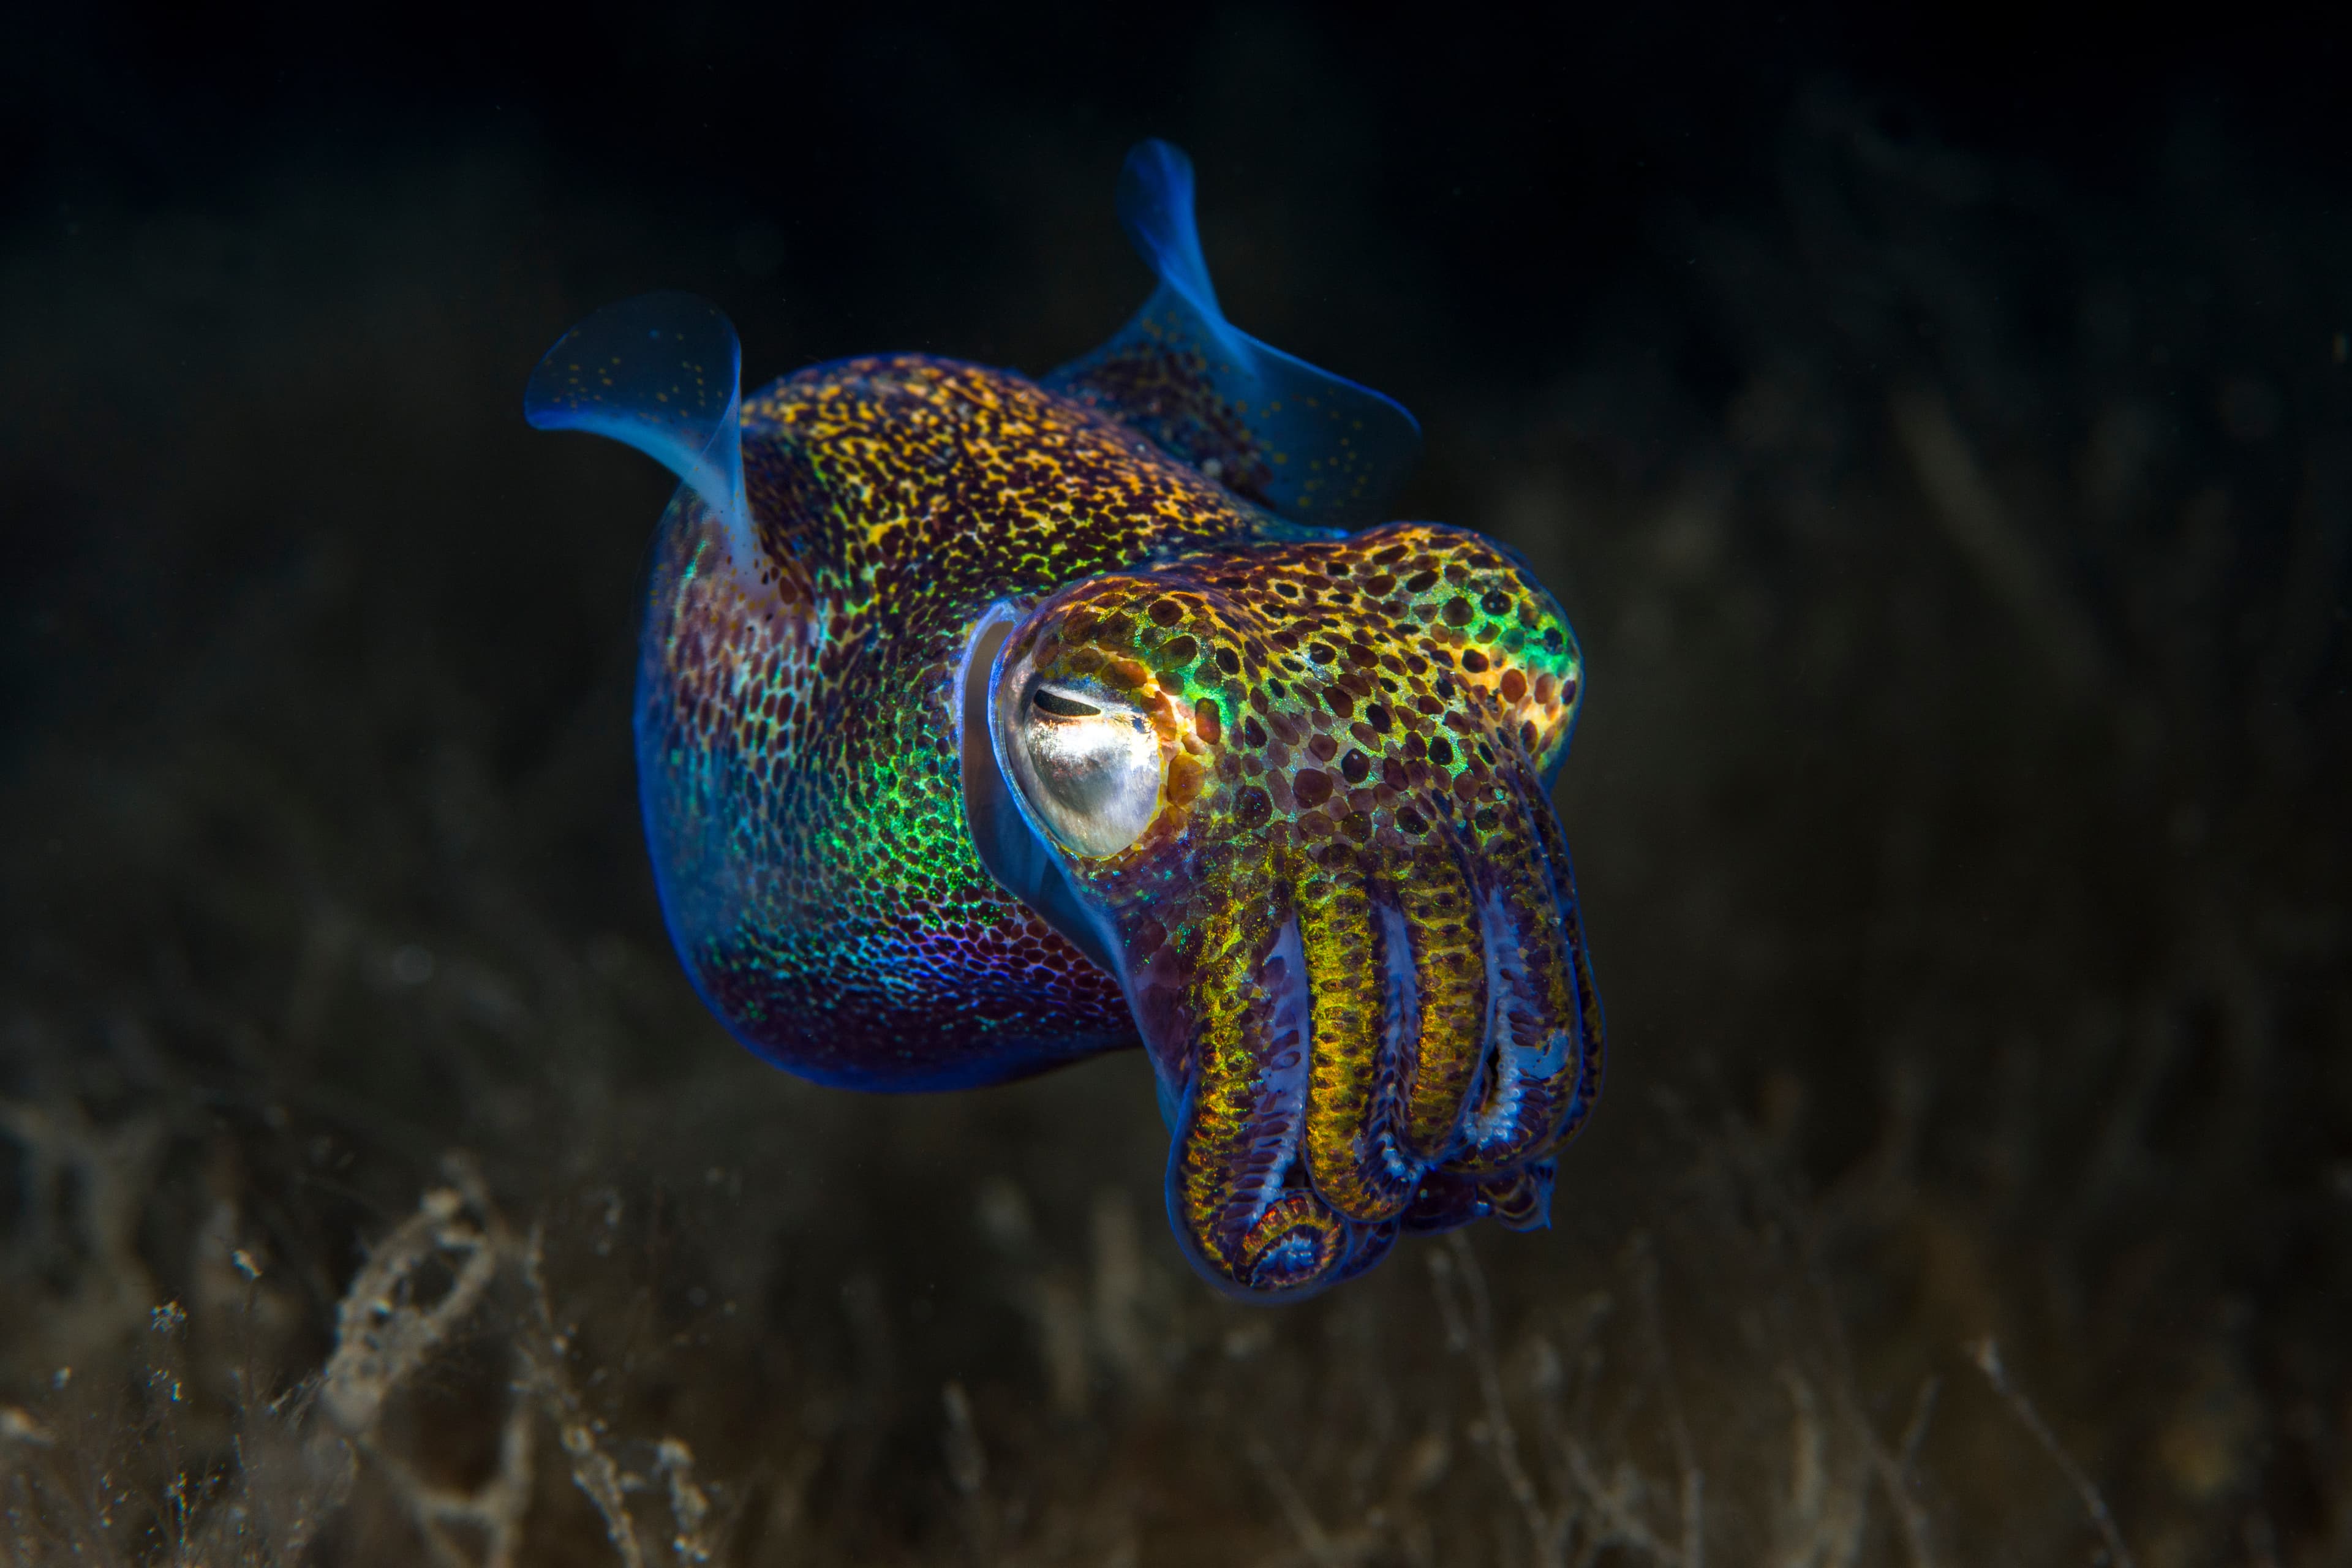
1289,786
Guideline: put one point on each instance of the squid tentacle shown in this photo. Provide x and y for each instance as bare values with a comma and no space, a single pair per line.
1449,977
1592,1050
1534,1037
1364,1001
1519,1199
1236,1163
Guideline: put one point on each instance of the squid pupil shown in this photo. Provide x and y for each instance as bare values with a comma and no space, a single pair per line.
1062,706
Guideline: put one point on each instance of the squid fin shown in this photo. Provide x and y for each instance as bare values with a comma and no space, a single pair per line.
661,372
1310,446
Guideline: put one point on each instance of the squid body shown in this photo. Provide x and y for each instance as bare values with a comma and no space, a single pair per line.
986,722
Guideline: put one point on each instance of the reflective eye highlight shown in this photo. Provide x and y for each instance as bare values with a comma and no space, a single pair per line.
1062,707
1089,765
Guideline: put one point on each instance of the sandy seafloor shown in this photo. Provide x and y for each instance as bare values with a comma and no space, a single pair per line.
1957,519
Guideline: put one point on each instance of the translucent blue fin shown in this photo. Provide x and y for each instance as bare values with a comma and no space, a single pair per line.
660,373
1307,444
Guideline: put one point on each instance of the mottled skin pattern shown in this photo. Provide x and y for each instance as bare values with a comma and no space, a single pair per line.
798,739
1353,880
1162,390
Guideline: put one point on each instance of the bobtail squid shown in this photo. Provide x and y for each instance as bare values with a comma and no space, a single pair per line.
986,722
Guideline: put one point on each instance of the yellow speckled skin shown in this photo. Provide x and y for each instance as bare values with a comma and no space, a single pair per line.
799,741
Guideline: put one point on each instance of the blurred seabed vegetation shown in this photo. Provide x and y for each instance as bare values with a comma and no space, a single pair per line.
1960,819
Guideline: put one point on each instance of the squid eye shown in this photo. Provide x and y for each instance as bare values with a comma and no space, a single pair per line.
1089,765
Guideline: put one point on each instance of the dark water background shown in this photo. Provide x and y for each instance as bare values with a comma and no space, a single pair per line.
1939,429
